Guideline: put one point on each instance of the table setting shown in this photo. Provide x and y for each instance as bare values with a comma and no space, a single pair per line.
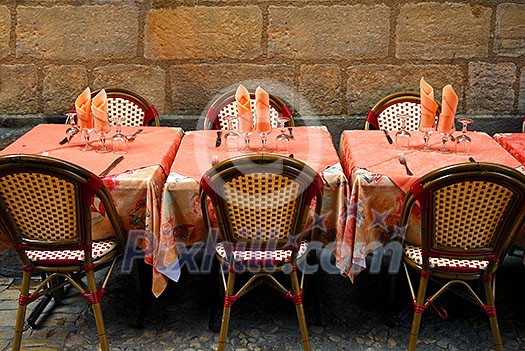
181,217
378,183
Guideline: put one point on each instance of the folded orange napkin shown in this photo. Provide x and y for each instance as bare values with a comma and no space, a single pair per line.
83,109
449,104
99,107
428,104
262,111
244,111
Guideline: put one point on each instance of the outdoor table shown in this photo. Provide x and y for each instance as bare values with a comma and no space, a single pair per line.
135,183
378,183
181,217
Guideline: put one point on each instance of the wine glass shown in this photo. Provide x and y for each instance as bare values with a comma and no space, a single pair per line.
85,123
73,129
102,128
428,130
263,128
119,141
231,138
463,141
403,136
282,139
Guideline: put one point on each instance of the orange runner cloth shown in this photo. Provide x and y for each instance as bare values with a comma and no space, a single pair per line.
142,152
370,150
312,145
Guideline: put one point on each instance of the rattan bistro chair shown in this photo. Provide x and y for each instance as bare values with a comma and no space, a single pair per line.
225,105
133,109
45,212
383,114
261,204
470,215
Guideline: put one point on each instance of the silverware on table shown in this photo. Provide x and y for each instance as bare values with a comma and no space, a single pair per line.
111,166
132,136
70,132
471,159
388,137
403,161
218,140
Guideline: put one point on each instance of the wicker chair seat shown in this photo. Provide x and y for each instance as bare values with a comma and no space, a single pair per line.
261,256
414,253
65,257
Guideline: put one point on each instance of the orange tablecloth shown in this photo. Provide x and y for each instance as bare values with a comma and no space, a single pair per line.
514,143
135,183
181,217
379,183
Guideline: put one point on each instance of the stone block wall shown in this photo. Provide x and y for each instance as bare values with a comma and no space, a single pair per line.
330,59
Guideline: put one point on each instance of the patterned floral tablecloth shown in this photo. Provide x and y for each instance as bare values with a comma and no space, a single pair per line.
378,183
514,143
181,216
135,184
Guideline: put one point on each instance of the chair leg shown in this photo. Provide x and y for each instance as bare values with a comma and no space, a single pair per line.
226,311
489,294
97,312
296,291
420,301
215,292
21,314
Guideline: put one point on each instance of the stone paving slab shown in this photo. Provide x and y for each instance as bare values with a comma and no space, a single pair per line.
352,318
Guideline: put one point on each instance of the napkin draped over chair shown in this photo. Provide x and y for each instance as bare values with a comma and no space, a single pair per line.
428,105
83,109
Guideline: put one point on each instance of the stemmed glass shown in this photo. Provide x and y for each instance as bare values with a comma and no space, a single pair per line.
102,129
428,130
85,123
403,136
282,139
463,141
231,138
263,128
445,136
119,141
73,129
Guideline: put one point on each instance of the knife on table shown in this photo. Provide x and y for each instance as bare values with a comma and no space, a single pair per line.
388,137
111,166
218,140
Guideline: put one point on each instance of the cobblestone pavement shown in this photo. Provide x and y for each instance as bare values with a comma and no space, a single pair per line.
353,318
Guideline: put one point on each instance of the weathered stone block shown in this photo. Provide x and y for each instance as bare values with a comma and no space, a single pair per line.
442,31
320,87
490,88
321,32
62,85
19,89
510,30
77,32
147,81
367,84
521,107
195,86
5,31
203,32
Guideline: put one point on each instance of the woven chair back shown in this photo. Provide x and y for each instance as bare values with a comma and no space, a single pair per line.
384,114
226,106
44,202
470,210
261,198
